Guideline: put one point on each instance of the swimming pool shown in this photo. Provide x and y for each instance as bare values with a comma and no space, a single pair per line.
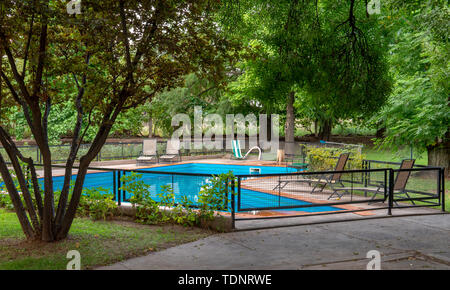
190,185
214,168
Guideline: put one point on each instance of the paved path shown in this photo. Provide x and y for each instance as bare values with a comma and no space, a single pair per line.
419,242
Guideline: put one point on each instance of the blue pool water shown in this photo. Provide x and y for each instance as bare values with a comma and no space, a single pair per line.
190,186
212,168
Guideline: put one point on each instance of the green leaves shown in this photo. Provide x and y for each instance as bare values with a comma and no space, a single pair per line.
418,111
338,70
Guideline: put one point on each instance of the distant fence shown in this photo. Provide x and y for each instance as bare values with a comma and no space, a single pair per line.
110,151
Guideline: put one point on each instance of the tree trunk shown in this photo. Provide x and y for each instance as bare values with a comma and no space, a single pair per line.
269,127
325,130
15,198
380,132
315,128
439,155
290,125
150,127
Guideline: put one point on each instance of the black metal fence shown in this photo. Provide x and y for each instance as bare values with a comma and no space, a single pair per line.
268,196
111,180
333,192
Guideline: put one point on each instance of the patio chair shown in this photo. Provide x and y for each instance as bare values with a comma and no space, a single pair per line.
399,184
322,181
237,150
172,151
148,154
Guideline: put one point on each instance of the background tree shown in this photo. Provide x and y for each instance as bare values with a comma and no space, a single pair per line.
328,54
193,92
418,111
111,58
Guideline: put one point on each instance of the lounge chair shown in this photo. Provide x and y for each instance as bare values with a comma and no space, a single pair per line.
399,184
332,180
172,151
237,150
148,154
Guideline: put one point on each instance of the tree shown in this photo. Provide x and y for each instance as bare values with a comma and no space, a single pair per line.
111,58
193,92
62,117
418,111
328,53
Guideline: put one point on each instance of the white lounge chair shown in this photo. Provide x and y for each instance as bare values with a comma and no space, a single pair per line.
148,154
172,151
237,150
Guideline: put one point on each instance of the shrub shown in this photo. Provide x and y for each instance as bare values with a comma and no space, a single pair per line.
5,201
97,203
325,158
213,195
147,209
181,210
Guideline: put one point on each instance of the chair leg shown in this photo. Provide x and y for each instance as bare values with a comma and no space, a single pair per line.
276,186
322,188
373,196
335,192
412,201
315,186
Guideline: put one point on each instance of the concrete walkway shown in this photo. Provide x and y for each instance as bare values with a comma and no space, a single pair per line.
419,242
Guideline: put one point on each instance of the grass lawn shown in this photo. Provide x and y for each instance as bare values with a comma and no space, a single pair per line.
395,156
99,243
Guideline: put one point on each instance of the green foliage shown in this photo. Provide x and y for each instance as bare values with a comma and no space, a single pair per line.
5,201
147,209
335,63
213,195
193,92
184,212
97,203
166,207
418,111
325,158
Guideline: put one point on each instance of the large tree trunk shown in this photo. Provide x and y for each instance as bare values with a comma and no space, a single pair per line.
290,125
439,154
325,130
269,127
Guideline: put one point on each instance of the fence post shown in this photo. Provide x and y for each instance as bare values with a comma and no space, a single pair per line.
119,191
239,194
233,196
225,206
123,191
391,190
442,175
114,185
279,190
365,172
